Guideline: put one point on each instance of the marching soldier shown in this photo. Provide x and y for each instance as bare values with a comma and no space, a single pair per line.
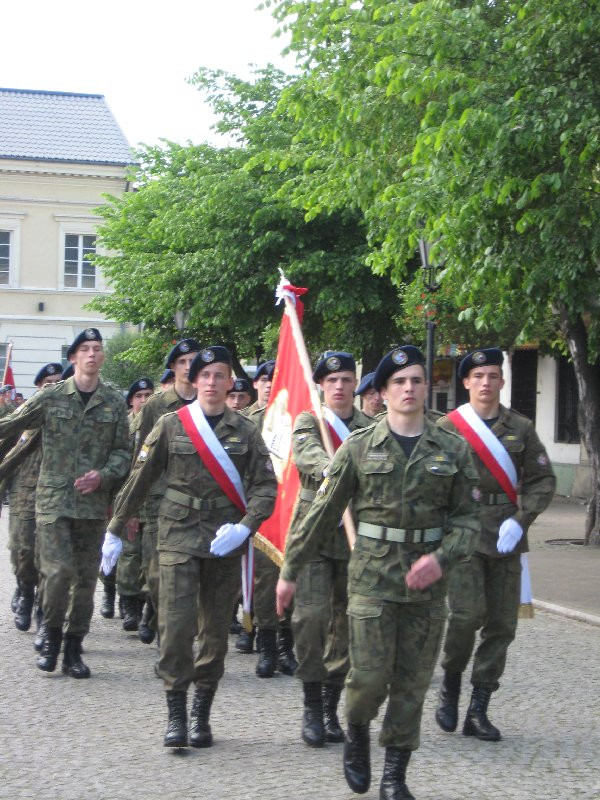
240,395
167,379
371,402
219,487
85,454
412,488
484,593
319,620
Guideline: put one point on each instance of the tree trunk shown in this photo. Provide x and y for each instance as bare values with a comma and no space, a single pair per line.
370,357
588,386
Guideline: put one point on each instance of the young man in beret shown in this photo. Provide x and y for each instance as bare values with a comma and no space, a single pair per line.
85,454
412,488
179,394
240,395
371,402
484,593
219,487
167,379
319,620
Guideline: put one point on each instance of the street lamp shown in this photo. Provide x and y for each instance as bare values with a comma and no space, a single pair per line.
430,282
181,318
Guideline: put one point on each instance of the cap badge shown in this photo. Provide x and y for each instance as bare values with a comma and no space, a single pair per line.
50,369
184,347
478,358
143,385
207,355
238,386
399,357
333,363
90,333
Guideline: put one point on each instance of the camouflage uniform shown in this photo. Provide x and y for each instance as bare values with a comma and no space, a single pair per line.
394,632
485,591
319,621
197,590
76,438
129,576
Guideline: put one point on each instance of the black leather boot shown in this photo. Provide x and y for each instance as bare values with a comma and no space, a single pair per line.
146,631
313,730
107,609
286,660
446,714
357,758
477,722
266,641
333,729
245,641
200,732
72,664
50,650
24,609
393,783
176,734
14,601
132,613
40,636
235,626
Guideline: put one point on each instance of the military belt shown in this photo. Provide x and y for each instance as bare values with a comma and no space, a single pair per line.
416,536
307,494
196,502
499,499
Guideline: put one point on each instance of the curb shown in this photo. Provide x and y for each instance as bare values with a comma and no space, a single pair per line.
569,613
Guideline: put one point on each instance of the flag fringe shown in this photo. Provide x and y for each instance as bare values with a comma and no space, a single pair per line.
269,549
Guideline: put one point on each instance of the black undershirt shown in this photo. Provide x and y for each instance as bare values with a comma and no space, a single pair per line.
407,443
214,420
184,401
491,422
85,396
348,420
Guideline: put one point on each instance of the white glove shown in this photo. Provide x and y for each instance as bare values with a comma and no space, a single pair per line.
111,550
509,535
228,538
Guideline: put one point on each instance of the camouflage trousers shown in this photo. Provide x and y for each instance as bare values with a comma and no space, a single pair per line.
69,558
393,651
483,592
150,566
27,562
13,541
129,567
319,622
266,575
196,597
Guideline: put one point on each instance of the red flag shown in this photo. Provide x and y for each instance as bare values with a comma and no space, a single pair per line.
8,379
290,394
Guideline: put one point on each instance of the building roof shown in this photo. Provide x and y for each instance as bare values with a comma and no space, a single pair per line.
60,126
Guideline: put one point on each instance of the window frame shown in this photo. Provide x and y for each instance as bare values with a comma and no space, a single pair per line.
11,223
83,225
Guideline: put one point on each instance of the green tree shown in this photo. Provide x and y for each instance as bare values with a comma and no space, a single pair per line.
478,125
122,371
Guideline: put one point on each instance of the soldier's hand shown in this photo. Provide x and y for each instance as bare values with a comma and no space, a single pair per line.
229,537
284,594
111,550
133,526
425,571
88,483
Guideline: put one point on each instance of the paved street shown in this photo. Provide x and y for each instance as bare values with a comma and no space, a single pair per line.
102,738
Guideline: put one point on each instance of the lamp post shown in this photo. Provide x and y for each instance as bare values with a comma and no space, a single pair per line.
181,318
431,284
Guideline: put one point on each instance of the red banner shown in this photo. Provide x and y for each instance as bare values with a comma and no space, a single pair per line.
8,379
290,395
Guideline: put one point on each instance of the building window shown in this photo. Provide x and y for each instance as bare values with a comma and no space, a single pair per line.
3,352
567,403
4,258
80,272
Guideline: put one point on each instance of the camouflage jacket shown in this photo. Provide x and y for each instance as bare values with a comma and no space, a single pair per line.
311,459
23,461
536,480
256,413
192,505
434,488
75,440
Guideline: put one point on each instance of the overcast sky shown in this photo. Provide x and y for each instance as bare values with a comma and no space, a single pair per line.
138,53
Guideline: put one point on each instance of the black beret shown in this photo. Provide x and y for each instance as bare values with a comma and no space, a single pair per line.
241,385
366,383
67,372
266,368
168,375
6,389
206,356
399,358
333,362
49,369
487,357
88,335
182,348
138,386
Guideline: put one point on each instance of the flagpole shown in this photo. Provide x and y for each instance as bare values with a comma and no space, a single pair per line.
290,307
7,362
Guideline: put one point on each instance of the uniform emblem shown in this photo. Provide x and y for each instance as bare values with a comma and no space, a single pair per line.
184,347
542,461
301,437
50,369
399,357
476,494
143,455
207,355
238,386
90,333
478,358
323,487
333,363
143,385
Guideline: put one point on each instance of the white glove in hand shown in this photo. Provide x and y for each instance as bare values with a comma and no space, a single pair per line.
509,535
228,538
111,550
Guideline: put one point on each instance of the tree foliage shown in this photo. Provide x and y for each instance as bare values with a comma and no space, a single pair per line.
121,371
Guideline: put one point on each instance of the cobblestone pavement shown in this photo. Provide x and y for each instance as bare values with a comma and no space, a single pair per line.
62,739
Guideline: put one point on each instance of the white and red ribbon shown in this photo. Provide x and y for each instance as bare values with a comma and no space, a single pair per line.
338,430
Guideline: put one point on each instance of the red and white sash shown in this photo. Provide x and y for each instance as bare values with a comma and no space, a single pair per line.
487,446
223,470
338,430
